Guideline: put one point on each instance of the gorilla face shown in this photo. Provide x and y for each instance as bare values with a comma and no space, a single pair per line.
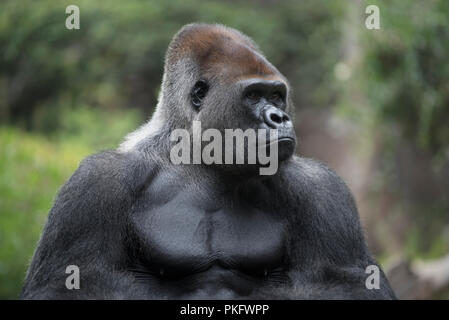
266,102
233,86
253,103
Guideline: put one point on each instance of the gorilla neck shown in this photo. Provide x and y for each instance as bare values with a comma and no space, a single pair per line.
156,132
153,139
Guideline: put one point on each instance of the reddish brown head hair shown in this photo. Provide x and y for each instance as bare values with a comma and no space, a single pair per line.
220,50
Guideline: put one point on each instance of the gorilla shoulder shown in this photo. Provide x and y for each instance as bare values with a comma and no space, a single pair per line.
113,173
316,176
325,202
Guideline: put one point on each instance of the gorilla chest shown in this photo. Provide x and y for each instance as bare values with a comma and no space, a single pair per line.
183,236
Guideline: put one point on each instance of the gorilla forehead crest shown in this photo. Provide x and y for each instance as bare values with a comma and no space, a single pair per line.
218,49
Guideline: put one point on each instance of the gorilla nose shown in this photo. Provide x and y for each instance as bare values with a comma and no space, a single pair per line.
276,118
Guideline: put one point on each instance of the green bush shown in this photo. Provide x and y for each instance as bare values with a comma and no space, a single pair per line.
32,169
406,71
115,59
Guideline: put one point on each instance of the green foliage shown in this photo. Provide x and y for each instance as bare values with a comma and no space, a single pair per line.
400,92
407,72
96,128
31,170
116,58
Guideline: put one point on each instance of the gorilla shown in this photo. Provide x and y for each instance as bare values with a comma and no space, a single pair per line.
138,226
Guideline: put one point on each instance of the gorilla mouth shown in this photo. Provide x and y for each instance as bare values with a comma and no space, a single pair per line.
286,146
290,139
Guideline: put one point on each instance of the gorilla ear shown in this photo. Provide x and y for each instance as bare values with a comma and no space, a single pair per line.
198,93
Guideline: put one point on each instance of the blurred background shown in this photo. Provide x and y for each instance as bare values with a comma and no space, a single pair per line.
372,104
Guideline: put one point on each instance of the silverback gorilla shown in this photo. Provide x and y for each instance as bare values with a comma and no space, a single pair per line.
140,227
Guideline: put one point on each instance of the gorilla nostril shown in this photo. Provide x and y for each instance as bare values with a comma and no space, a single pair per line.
285,118
275,118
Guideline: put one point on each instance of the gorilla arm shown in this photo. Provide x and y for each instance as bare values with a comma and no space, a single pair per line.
328,254
87,227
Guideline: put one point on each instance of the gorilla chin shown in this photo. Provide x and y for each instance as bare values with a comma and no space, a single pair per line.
286,147
270,157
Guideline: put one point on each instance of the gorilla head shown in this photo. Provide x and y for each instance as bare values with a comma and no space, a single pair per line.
218,76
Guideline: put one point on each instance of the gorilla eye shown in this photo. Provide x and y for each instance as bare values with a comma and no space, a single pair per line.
253,96
198,92
276,97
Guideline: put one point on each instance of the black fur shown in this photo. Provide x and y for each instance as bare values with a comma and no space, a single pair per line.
140,227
